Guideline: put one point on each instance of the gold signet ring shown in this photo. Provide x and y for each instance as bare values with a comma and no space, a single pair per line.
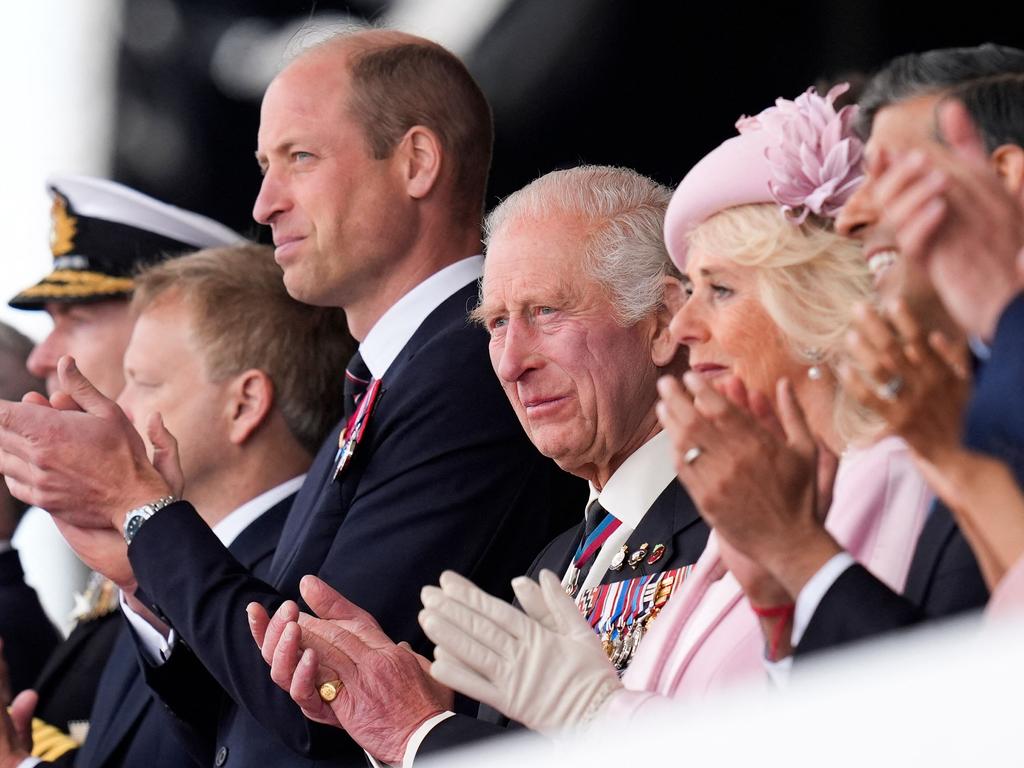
329,691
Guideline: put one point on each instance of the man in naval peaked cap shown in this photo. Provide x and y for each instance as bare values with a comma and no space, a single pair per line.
101,234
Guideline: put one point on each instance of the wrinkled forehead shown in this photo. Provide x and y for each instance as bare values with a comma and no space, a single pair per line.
529,260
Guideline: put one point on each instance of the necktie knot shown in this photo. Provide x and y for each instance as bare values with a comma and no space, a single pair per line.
594,515
357,379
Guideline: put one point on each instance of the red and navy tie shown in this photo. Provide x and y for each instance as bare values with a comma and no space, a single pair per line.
357,379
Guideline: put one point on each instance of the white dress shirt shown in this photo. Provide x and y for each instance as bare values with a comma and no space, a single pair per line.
627,496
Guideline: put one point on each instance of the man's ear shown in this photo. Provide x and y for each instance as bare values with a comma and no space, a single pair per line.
663,347
1008,161
250,398
419,155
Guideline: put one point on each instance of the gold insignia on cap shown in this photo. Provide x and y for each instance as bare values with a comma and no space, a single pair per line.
73,283
63,227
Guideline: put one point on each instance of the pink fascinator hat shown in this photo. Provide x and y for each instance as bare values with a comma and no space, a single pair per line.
802,155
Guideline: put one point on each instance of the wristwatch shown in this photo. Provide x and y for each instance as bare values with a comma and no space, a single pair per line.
136,517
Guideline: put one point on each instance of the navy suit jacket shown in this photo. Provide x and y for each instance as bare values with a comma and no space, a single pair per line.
128,726
444,478
29,637
672,520
944,579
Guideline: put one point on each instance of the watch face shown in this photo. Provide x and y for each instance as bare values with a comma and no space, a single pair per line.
132,527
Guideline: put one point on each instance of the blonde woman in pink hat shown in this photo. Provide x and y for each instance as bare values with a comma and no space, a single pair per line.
771,290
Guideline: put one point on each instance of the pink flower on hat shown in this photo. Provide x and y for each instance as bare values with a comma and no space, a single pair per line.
814,156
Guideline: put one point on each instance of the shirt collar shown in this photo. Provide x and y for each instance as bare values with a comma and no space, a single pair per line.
228,528
634,486
395,327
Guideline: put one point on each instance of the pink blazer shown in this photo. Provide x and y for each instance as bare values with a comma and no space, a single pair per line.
708,637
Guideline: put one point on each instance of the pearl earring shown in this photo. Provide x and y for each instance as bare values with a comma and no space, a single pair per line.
814,373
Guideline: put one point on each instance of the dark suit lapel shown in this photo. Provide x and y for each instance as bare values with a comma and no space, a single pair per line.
317,492
938,528
321,508
453,310
116,715
254,547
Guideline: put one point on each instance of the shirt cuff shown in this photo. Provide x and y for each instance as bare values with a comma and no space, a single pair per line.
30,762
814,590
156,648
416,739
778,671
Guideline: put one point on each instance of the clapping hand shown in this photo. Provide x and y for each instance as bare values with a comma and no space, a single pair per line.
542,666
760,480
918,384
383,690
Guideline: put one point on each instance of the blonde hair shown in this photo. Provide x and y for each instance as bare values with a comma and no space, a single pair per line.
809,279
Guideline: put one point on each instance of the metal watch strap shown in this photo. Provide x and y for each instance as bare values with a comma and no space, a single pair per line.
136,517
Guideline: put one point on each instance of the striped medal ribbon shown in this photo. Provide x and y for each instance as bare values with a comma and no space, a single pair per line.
621,612
588,548
353,432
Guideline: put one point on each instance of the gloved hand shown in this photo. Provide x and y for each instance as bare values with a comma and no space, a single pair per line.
544,667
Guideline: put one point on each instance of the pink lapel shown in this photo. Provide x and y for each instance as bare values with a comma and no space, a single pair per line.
669,625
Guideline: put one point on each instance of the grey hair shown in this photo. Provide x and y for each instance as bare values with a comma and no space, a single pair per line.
625,250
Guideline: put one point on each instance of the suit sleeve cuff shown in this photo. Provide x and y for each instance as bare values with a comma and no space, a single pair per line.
415,740
155,648
813,592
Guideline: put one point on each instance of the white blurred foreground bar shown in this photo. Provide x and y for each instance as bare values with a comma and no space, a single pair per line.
948,695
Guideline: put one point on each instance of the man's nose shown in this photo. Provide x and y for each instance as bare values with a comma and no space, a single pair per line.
859,214
271,199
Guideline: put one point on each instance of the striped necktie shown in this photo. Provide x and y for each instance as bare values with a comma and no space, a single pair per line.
599,526
357,379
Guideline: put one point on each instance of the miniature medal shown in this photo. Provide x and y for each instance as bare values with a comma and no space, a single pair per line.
656,553
637,557
574,583
619,559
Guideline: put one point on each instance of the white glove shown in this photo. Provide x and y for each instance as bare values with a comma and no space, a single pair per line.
544,668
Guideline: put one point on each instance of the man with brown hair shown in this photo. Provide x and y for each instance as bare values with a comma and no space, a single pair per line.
430,471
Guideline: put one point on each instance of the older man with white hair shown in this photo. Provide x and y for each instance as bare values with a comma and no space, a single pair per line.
576,295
